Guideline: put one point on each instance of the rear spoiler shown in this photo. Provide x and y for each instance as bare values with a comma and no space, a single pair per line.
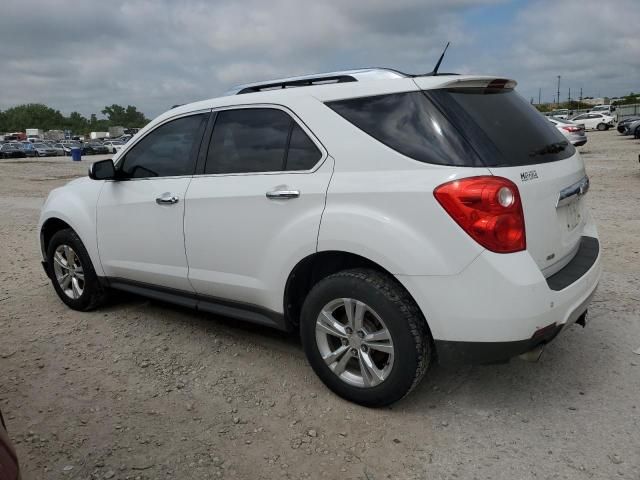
482,82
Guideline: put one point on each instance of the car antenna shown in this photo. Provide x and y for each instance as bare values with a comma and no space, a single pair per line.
435,69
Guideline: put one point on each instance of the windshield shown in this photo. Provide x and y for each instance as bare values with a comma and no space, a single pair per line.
39,145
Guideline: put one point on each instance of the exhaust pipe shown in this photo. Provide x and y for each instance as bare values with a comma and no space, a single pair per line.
532,355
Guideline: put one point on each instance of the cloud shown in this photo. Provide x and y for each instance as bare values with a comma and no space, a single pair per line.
83,55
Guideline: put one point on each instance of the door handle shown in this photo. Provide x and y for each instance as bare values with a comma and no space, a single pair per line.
167,199
283,194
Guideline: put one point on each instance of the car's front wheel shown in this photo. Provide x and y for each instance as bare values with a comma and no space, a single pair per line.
601,127
72,273
365,337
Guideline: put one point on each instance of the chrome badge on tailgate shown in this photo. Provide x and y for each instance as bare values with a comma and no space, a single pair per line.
573,192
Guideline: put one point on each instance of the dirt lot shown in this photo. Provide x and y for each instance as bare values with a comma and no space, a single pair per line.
144,390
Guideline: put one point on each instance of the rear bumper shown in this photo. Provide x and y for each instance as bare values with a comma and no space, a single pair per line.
501,305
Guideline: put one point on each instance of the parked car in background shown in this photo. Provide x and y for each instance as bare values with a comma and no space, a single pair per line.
574,132
9,467
561,113
114,146
622,124
594,121
59,148
10,150
44,150
355,211
632,128
604,109
99,148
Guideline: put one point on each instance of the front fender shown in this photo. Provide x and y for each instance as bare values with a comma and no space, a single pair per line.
75,204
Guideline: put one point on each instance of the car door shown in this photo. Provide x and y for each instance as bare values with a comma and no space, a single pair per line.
254,210
140,215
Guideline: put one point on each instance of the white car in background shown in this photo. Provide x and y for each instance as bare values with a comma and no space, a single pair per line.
604,109
594,121
347,206
114,146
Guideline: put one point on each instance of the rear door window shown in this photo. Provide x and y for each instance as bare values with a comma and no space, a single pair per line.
253,140
303,153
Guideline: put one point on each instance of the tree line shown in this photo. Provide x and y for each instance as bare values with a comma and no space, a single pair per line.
37,115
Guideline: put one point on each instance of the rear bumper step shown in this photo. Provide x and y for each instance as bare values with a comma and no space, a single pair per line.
580,264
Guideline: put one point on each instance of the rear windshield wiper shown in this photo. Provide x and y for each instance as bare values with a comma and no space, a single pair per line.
550,149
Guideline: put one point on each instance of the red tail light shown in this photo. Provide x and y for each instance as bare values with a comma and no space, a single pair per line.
487,208
571,129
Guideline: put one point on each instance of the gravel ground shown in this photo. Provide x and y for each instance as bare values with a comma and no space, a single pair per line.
142,390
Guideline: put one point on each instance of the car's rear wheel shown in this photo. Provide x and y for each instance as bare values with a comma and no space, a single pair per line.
72,274
365,337
601,127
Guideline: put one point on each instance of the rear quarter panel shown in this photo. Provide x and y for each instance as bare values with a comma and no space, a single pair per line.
380,204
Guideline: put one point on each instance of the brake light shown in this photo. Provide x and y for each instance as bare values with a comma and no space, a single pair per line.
571,129
488,208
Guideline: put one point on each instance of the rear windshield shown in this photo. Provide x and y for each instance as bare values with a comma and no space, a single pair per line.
460,127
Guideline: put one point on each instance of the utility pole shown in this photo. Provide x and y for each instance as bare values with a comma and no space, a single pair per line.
569,97
539,95
558,97
580,94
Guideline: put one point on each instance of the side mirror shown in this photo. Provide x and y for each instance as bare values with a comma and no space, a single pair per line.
102,170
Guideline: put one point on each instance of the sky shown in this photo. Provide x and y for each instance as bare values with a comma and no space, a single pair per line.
80,55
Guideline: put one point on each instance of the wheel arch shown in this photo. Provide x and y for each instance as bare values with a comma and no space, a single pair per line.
313,268
49,228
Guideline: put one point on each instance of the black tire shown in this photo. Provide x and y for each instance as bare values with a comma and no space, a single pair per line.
93,294
601,127
407,327
636,134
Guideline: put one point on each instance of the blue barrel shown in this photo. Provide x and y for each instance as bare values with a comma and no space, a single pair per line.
76,154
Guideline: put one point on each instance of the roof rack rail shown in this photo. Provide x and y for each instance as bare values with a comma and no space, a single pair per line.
320,80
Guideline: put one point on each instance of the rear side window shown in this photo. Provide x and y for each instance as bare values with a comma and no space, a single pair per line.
259,140
410,124
502,126
458,127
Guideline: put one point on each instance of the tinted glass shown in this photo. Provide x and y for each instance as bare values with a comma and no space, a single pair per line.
166,151
303,153
410,124
248,140
502,126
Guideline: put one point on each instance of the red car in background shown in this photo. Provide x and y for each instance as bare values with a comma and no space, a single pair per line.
9,469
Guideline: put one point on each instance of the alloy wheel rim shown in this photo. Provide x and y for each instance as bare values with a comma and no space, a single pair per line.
354,342
68,271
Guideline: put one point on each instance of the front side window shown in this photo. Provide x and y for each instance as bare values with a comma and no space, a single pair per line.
165,152
255,140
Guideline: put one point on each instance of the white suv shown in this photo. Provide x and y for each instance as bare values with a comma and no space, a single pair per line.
393,219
